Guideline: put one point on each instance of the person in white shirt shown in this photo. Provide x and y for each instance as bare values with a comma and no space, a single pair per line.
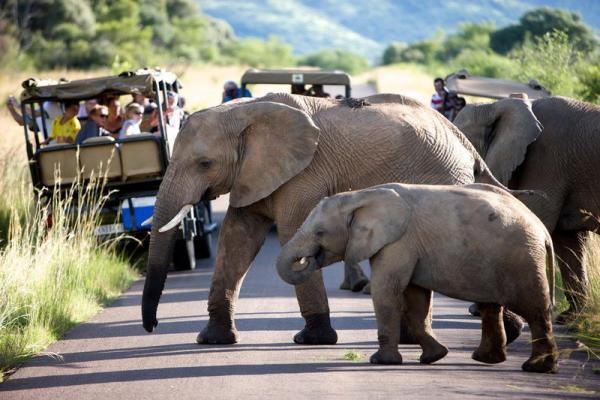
133,114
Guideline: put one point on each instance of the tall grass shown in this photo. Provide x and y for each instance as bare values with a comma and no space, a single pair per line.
51,279
586,326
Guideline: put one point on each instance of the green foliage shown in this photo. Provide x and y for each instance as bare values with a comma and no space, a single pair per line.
93,33
483,63
590,81
422,52
553,47
540,21
257,53
469,36
336,59
392,53
552,60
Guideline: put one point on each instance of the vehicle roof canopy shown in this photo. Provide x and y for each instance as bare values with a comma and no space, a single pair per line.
141,81
463,83
296,76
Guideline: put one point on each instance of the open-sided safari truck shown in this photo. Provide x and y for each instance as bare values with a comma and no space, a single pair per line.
132,167
314,77
463,83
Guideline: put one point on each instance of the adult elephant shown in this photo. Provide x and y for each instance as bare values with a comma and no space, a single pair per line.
553,145
278,156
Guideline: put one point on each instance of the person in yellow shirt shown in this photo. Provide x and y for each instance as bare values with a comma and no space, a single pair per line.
65,128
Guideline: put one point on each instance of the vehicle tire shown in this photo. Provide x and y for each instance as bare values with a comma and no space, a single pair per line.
181,258
203,246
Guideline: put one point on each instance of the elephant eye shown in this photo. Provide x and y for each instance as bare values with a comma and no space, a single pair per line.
205,164
319,233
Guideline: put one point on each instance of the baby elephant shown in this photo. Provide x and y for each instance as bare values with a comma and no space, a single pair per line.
473,242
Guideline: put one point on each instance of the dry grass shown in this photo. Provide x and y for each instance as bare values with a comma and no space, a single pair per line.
409,80
587,324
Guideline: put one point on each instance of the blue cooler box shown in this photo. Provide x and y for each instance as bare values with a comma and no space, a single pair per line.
143,208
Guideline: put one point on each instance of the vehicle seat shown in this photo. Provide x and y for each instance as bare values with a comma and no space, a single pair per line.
99,156
140,156
59,157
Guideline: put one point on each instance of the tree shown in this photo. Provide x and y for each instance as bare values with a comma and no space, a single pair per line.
336,59
393,53
257,53
551,60
538,22
475,37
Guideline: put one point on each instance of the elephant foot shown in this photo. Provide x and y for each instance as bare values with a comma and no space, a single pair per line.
513,324
355,286
566,317
474,310
489,357
345,285
318,330
387,357
217,334
433,354
542,364
367,289
360,284
354,278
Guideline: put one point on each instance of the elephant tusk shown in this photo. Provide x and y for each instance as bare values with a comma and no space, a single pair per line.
147,222
301,265
177,218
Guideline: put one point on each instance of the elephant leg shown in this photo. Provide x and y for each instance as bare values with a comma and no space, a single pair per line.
314,308
312,299
406,334
492,348
512,322
417,314
569,247
388,308
241,236
354,278
544,352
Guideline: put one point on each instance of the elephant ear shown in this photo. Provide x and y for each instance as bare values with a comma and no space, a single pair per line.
513,128
377,217
276,143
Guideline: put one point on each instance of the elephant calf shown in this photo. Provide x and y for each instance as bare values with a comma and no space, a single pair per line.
474,242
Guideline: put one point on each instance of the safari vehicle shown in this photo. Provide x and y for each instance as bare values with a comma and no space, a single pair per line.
297,77
132,167
462,82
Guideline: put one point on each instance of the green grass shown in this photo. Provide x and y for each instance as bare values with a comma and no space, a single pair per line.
576,389
352,355
50,279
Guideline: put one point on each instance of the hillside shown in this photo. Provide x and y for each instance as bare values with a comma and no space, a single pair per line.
368,27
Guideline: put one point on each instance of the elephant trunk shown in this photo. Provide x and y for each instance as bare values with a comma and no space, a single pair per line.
298,260
175,192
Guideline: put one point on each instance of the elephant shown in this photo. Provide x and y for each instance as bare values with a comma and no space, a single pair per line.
277,156
473,242
553,145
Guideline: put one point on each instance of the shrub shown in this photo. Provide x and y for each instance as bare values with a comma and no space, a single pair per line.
550,59
336,59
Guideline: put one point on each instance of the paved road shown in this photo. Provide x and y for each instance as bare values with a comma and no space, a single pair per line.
112,356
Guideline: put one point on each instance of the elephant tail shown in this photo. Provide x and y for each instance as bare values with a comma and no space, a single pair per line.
484,175
550,269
